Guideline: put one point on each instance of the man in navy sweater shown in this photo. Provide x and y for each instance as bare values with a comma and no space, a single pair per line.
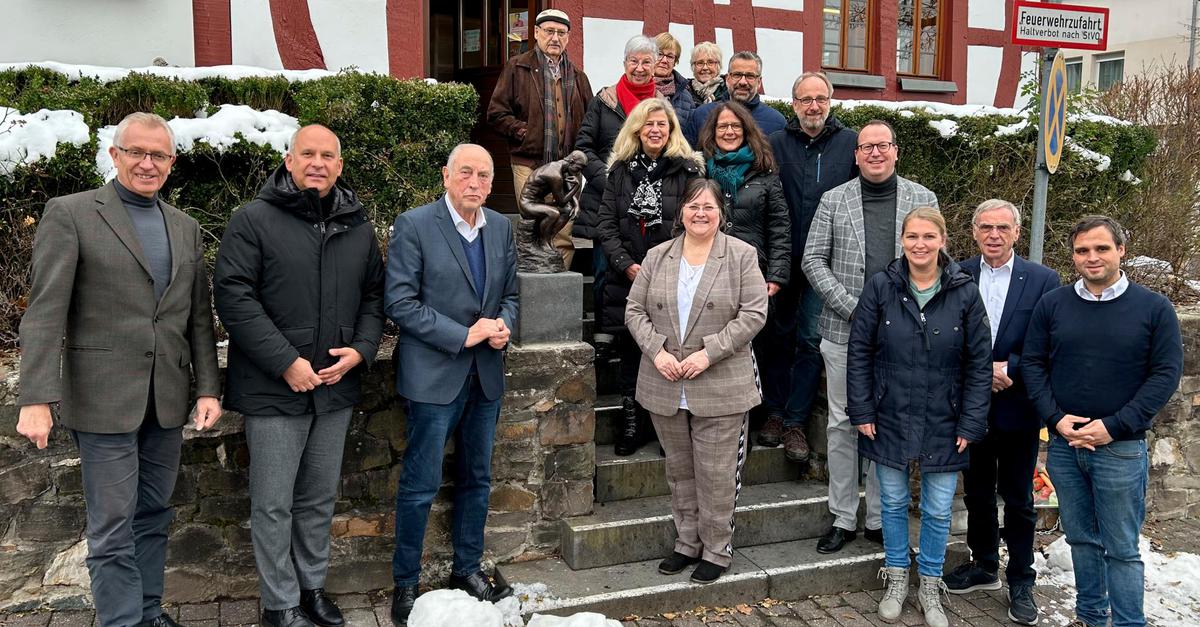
1098,385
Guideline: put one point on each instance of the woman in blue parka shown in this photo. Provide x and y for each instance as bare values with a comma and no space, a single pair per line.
919,380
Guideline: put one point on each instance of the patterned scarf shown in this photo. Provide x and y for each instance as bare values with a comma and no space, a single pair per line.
666,86
729,169
549,113
707,91
647,173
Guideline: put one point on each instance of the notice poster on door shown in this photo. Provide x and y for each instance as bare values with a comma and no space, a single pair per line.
471,40
518,26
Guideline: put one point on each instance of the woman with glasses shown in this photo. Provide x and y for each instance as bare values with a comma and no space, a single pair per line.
918,383
707,84
650,164
693,310
671,84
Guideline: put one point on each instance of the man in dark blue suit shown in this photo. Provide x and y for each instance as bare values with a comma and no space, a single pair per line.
1004,461
452,291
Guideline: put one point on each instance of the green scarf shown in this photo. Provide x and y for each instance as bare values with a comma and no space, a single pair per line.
729,169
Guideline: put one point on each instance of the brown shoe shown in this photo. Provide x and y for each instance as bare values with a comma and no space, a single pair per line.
795,445
772,431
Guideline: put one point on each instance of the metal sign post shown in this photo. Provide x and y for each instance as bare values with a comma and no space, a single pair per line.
1053,26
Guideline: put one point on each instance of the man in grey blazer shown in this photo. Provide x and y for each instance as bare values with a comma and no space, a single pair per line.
855,233
451,288
117,331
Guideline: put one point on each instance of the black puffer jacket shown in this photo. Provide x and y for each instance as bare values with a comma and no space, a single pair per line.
809,167
622,236
760,218
599,130
289,284
924,377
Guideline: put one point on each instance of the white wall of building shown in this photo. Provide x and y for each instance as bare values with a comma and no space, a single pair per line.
1149,33
126,33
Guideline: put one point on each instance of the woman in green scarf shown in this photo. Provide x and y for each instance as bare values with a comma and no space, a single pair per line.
738,157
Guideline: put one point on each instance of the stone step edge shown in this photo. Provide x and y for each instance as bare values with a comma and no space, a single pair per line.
581,528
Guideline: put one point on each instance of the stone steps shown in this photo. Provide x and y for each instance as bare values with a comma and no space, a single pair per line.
781,570
633,530
643,474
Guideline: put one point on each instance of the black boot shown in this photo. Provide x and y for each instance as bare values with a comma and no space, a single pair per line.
629,434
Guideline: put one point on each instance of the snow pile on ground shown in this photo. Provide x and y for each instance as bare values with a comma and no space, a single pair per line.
106,74
26,138
456,608
221,130
583,619
1102,161
1172,597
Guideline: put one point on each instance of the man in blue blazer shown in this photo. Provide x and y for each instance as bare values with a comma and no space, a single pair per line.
452,291
1004,461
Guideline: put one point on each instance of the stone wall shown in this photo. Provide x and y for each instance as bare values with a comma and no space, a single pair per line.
543,467
1174,490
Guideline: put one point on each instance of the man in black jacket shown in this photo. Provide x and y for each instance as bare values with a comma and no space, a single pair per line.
299,288
815,154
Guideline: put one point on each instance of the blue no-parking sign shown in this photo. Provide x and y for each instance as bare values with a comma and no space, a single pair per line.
1054,113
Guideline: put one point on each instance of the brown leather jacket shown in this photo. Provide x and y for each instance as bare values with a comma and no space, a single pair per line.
516,107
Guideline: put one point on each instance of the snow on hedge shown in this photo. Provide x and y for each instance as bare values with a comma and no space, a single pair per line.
26,138
945,128
1102,161
223,129
106,74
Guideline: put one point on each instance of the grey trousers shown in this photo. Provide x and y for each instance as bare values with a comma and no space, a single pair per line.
295,466
705,456
844,471
128,479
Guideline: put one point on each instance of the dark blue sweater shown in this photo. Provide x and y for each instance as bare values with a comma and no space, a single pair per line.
1118,361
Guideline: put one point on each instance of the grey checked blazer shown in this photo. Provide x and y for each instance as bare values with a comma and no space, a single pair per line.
728,310
93,336
835,253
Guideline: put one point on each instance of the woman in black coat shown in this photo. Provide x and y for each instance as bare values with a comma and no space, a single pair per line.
739,158
918,380
650,165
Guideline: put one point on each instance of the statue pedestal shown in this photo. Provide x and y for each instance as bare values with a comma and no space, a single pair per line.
551,307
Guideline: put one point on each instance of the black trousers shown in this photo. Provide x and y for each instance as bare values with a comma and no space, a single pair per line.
1003,464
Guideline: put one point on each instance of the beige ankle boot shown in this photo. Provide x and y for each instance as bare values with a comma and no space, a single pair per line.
892,602
929,595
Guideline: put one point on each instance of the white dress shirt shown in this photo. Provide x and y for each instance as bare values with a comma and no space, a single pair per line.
685,293
993,286
468,232
1109,293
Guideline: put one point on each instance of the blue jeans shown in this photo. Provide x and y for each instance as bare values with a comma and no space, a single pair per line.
937,499
1102,502
471,420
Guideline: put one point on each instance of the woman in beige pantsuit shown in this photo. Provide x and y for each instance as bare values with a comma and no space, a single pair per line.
693,309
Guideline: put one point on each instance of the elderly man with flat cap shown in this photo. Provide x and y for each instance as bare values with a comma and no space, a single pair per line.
538,105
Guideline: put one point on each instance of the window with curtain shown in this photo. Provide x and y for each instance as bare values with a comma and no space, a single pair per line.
917,37
845,34
1074,75
1109,72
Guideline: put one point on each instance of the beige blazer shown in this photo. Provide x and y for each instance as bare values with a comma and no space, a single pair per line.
93,335
729,309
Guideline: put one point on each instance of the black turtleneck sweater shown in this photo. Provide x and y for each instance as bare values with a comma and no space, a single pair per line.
151,231
879,224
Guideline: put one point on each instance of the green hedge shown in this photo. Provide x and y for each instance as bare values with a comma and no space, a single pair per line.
975,165
395,137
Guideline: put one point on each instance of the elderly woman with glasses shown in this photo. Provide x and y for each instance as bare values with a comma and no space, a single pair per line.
693,309
671,84
707,85
650,164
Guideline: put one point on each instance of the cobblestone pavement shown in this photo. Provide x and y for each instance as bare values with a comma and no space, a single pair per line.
854,609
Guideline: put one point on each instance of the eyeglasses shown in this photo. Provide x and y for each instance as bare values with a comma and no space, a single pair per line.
706,62
668,55
882,147
806,101
1003,229
138,155
729,126
561,33
700,208
744,76
639,63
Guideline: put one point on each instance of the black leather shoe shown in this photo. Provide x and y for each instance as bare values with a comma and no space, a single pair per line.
675,563
707,572
874,535
481,586
162,621
834,540
321,609
630,437
403,599
291,617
